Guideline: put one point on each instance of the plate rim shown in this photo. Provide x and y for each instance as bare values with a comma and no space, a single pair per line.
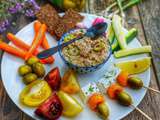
34,116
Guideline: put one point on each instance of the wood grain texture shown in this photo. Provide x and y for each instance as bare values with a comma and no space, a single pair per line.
146,19
8,110
150,16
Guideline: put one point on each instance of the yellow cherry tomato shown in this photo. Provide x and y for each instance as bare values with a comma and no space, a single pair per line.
35,93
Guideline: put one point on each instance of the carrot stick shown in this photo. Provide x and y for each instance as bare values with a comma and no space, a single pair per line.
12,50
37,26
37,41
45,43
19,43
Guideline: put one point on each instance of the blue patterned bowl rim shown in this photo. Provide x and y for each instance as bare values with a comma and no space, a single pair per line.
60,51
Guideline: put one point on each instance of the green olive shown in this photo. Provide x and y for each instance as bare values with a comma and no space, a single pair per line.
32,60
124,98
135,83
29,78
69,37
74,51
24,69
38,69
99,46
103,110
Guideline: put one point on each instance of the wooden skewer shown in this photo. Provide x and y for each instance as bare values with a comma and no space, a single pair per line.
144,114
151,89
101,87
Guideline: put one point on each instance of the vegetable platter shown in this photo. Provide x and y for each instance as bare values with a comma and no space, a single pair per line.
87,82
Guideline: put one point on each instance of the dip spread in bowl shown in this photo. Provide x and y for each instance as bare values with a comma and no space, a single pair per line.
86,54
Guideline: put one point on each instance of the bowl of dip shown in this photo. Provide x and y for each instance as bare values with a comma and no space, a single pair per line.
86,54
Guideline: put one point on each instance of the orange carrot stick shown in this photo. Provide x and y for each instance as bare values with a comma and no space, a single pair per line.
12,50
45,43
37,26
37,41
19,43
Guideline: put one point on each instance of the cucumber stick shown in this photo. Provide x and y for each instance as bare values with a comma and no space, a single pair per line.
128,38
119,33
132,51
111,34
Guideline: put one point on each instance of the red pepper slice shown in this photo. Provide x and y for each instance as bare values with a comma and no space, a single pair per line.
53,78
51,109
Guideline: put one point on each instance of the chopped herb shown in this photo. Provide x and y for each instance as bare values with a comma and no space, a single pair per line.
91,89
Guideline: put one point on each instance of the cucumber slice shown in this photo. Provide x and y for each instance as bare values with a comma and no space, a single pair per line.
111,34
119,33
129,37
132,51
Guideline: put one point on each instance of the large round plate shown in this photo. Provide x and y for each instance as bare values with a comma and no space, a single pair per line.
13,84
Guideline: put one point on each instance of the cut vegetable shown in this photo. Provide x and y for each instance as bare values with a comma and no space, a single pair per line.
37,41
119,33
135,66
54,79
111,35
71,107
113,90
17,42
35,93
133,51
51,109
12,50
129,37
69,82
45,43
122,78
94,100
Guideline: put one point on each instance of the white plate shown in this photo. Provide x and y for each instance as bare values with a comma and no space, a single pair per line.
13,84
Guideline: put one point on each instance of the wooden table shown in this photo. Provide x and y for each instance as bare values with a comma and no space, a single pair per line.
146,18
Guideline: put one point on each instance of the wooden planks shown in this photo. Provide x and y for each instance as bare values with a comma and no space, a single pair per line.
8,110
150,16
150,102
146,19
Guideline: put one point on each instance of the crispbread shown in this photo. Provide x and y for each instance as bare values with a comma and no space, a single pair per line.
49,16
58,25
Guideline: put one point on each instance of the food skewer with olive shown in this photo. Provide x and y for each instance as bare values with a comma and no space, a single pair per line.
133,82
96,102
116,92
32,70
